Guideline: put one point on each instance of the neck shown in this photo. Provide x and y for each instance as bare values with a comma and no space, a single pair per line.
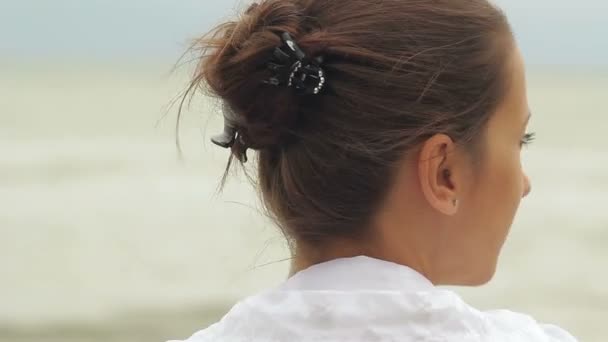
307,255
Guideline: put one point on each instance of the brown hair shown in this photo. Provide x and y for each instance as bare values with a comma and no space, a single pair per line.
398,72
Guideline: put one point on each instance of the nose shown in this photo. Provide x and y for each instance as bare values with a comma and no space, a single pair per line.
527,186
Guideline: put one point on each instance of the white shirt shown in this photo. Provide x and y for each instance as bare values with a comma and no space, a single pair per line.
367,300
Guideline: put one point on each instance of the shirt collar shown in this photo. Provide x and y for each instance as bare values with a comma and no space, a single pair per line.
359,273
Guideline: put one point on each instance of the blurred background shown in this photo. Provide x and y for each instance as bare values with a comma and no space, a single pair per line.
106,234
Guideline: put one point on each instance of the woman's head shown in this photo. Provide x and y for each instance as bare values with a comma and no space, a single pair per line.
405,154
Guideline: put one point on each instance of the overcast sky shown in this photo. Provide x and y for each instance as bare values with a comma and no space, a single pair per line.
550,32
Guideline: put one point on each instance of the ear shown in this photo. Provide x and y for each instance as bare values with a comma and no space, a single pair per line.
438,173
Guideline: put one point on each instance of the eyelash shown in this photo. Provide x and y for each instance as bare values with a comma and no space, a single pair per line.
528,139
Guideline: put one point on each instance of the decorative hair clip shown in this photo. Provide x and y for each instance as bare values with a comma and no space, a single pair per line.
293,68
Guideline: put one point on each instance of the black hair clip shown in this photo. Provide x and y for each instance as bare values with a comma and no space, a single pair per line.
292,67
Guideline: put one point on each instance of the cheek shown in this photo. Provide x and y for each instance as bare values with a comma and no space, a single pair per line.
504,187
496,197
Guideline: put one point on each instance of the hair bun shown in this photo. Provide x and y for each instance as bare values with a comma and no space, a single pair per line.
234,66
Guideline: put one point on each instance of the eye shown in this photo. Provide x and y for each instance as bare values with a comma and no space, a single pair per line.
528,139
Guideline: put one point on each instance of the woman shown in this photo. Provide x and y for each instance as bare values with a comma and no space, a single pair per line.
388,138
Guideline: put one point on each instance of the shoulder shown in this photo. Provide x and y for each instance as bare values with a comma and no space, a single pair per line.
518,324
494,325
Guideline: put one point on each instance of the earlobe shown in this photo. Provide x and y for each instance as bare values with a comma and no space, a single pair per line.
436,174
